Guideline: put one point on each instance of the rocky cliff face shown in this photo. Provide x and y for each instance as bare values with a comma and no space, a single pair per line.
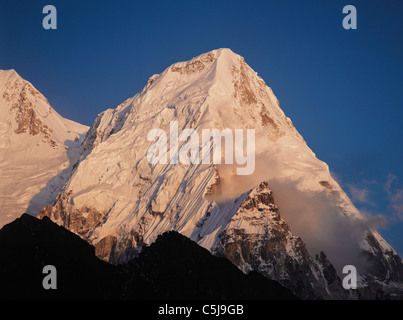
256,238
384,274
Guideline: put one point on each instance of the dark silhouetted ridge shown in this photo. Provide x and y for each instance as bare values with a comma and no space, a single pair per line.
174,267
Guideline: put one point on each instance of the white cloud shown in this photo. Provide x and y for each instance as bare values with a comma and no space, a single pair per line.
359,195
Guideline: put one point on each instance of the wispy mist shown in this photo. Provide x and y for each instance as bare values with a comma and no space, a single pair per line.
311,215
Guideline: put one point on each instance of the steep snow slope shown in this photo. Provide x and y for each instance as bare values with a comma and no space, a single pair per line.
118,201
36,148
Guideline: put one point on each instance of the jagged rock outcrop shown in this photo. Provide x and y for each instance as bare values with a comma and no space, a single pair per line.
79,220
256,238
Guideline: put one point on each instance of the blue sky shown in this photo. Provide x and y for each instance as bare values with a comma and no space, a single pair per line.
341,88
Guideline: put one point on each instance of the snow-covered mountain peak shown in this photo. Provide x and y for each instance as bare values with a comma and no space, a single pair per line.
223,56
27,111
216,90
118,200
8,74
36,145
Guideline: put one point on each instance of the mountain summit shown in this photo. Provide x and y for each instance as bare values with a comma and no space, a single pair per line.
289,220
36,145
